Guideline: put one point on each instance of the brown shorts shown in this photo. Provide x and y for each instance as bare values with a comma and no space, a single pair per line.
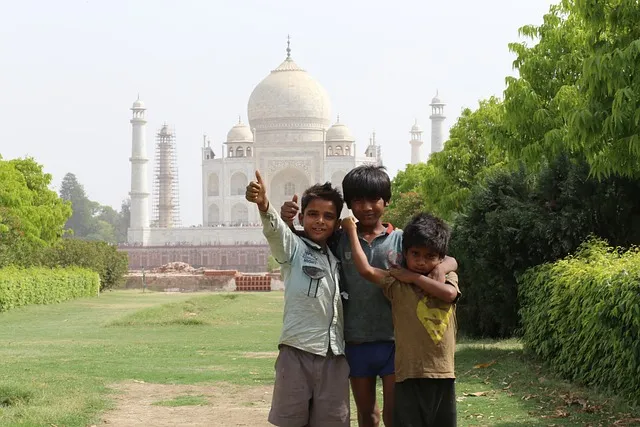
310,390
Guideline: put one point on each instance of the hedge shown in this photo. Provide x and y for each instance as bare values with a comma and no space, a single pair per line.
582,316
37,285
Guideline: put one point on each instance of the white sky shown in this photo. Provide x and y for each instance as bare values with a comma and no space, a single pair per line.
70,70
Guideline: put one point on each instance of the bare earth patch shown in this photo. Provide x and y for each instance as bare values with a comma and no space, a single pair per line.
228,406
261,355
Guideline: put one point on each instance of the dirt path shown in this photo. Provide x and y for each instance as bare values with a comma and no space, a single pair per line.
222,405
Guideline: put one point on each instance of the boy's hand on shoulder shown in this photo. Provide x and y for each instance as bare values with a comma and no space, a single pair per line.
402,274
257,193
289,210
349,224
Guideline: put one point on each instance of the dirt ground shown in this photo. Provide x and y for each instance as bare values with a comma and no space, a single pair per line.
228,406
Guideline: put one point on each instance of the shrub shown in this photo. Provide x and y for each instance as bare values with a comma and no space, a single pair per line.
100,257
38,285
582,315
517,220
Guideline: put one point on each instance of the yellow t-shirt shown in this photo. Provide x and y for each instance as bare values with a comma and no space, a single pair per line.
425,331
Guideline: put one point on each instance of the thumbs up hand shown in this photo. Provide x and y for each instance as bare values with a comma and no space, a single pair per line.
257,193
289,210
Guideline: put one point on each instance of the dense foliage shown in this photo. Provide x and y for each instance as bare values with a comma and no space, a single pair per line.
90,220
100,257
518,220
582,316
37,285
31,215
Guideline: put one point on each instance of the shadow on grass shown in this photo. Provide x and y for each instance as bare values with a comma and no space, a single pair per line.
497,385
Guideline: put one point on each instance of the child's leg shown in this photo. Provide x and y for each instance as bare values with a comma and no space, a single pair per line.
388,396
425,402
367,362
330,403
364,394
292,390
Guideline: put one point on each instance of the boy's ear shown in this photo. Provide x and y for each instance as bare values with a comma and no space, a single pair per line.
386,204
300,215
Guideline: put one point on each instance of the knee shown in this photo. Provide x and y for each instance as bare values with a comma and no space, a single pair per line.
369,417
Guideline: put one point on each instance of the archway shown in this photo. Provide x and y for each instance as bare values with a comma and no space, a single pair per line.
213,185
213,216
285,184
238,184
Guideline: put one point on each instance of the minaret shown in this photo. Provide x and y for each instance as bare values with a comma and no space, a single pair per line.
416,143
139,186
437,118
166,208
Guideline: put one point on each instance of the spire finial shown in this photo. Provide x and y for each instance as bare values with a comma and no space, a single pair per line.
239,119
138,96
288,47
338,119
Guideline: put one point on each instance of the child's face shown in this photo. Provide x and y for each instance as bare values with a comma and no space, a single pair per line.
421,260
319,220
367,211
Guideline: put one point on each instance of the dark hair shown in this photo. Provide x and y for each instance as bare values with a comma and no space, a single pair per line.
325,192
426,231
367,182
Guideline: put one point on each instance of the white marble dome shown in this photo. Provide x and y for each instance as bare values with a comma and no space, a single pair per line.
138,104
240,133
339,132
289,97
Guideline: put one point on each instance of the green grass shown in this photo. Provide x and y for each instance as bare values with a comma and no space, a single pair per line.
199,400
58,361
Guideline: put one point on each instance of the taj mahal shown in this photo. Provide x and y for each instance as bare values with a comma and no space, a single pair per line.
289,137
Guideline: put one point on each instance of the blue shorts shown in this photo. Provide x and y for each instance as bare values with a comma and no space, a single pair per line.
371,359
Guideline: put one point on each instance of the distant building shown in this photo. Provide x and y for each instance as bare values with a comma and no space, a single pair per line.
289,138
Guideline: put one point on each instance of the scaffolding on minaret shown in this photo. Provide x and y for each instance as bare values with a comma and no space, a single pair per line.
166,204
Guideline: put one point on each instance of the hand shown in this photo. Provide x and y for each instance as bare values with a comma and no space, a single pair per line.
402,274
438,274
289,210
257,193
349,224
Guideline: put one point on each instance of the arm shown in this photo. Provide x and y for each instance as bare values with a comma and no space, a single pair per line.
281,239
372,274
447,266
443,291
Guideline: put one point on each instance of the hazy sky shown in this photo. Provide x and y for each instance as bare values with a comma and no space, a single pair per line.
70,71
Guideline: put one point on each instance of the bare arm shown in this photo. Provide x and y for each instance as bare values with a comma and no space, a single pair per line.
368,272
442,291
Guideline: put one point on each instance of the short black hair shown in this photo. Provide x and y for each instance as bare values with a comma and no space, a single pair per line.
369,182
325,192
426,231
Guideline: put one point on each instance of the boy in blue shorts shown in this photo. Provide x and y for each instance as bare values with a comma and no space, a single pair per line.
368,324
312,374
424,321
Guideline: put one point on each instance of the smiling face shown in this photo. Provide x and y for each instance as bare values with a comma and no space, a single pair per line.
368,211
319,220
421,260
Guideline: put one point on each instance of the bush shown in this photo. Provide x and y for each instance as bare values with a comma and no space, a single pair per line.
582,315
517,220
38,285
100,257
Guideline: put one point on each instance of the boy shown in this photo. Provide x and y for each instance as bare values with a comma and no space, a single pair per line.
311,385
424,322
368,320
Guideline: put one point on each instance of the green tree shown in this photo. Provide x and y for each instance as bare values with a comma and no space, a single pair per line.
445,181
82,221
548,72
31,215
606,124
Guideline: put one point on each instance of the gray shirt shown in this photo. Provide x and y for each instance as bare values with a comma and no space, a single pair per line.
367,311
313,316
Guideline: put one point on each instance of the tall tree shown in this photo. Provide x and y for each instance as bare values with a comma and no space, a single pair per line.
607,123
31,215
82,221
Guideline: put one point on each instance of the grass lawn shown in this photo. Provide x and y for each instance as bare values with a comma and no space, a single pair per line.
57,362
